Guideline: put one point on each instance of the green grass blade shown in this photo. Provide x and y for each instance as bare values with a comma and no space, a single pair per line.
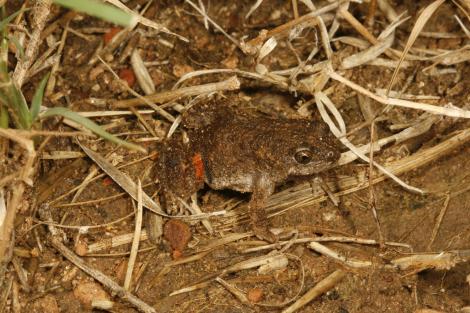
100,10
7,20
89,124
3,117
18,102
37,98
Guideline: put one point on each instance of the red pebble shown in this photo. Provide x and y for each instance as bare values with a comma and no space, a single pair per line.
177,233
109,35
128,75
255,295
107,181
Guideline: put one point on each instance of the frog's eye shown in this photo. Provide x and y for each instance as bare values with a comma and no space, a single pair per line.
330,155
303,156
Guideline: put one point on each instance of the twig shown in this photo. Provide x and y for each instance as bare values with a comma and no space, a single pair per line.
9,179
230,84
295,9
145,21
387,9
354,263
15,298
157,109
136,239
442,260
439,221
252,46
101,277
371,13
271,78
41,12
6,228
341,239
322,100
243,265
253,8
234,290
5,292
417,28
141,72
52,79
323,286
25,174
207,18
54,201
358,26
195,209
447,111
372,198
113,242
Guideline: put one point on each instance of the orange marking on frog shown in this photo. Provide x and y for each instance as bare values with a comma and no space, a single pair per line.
198,166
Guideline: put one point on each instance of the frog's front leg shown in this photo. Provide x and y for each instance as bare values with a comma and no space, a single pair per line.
263,188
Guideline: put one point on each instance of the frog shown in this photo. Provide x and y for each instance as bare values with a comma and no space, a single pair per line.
230,148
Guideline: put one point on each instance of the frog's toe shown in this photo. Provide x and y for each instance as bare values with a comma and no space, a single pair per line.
264,233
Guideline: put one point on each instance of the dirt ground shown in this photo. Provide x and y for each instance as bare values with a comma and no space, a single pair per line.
52,283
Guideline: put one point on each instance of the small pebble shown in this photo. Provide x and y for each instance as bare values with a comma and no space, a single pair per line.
128,76
255,295
109,35
86,292
177,233
81,248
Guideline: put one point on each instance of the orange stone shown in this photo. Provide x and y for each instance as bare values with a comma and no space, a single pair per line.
109,35
255,295
127,75
177,233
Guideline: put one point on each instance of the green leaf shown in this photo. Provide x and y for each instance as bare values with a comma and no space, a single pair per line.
7,20
19,105
4,59
100,10
3,117
89,124
37,98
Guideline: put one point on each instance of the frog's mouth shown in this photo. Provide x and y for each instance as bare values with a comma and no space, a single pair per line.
312,168
322,165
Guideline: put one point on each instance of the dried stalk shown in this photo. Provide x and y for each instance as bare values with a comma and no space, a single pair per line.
323,286
230,84
41,13
136,239
101,277
243,265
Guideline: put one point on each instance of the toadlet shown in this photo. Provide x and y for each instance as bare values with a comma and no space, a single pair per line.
231,149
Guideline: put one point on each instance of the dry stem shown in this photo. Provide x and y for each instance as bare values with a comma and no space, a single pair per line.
323,286
41,12
101,277
230,84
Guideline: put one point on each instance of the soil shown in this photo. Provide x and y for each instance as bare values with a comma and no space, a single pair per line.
408,218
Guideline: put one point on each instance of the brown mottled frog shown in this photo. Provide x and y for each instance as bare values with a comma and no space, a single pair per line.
232,149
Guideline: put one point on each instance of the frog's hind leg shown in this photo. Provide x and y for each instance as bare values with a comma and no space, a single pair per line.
258,218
